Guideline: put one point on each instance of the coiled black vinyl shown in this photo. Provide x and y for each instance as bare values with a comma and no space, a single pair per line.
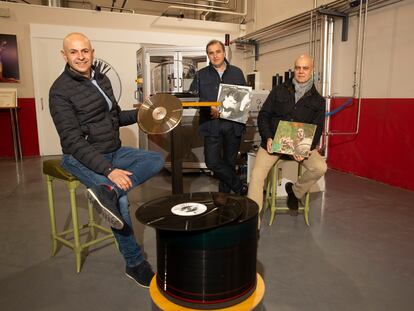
206,255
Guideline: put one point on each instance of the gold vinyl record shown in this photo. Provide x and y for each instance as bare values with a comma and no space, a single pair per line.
160,114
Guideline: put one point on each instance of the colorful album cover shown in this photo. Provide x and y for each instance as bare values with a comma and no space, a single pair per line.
293,138
235,102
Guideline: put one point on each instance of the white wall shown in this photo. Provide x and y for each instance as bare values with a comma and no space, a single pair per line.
389,48
268,12
388,53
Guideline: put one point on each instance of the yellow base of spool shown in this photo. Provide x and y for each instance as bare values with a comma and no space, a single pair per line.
160,302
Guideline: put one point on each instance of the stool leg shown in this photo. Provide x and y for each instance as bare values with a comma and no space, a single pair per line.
273,197
49,180
306,209
72,185
267,195
91,220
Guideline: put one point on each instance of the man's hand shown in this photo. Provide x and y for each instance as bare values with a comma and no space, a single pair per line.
300,158
121,178
215,114
269,145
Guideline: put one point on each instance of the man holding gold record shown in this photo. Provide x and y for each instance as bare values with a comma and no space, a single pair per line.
295,100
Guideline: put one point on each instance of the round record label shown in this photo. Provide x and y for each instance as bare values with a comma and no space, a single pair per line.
189,209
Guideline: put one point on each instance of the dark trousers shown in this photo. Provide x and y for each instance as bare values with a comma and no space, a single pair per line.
220,154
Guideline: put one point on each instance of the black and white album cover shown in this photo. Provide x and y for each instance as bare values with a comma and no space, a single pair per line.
235,102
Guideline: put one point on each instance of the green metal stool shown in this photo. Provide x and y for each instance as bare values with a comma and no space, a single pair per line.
71,237
271,198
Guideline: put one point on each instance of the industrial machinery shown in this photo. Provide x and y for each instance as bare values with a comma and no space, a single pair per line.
166,69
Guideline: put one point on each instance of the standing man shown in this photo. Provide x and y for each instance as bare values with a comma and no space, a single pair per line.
222,138
87,118
295,100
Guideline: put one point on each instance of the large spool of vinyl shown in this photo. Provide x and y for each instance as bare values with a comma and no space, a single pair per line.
206,247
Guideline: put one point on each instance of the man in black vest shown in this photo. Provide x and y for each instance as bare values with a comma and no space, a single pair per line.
87,118
295,100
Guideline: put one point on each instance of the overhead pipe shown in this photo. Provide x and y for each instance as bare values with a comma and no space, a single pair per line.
313,31
284,28
123,4
282,34
321,55
281,49
324,58
339,5
269,29
300,18
203,15
90,4
311,38
100,7
59,3
359,65
190,5
328,78
186,3
287,33
218,1
325,54
243,13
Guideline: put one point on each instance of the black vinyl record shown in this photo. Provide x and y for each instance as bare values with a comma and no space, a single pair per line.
190,212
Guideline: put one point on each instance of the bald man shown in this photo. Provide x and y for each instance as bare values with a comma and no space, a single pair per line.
87,118
294,100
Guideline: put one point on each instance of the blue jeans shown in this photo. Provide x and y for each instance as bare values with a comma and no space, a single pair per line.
220,154
143,165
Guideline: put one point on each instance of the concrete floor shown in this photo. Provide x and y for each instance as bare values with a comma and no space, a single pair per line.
358,253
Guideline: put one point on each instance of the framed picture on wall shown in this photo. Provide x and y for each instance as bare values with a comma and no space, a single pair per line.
9,60
8,98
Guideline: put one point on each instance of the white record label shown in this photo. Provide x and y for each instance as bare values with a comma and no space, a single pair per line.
188,209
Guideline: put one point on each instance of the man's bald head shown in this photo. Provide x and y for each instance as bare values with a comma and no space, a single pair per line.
75,36
78,53
303,68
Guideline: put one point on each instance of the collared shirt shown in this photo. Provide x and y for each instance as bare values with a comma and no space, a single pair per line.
93,80
221,72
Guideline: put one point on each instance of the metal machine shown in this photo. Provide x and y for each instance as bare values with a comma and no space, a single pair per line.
166,69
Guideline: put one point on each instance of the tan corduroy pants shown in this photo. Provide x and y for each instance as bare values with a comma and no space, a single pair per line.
315,168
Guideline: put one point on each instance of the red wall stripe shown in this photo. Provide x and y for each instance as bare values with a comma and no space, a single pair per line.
6,141
27,127
383,149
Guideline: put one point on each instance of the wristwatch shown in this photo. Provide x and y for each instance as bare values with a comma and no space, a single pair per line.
108,171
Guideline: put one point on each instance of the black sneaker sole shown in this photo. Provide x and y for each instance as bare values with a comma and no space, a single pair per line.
142,285
113,220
